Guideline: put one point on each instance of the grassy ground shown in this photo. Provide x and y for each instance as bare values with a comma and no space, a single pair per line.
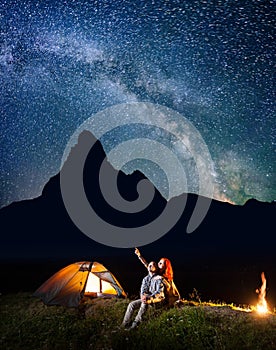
26,323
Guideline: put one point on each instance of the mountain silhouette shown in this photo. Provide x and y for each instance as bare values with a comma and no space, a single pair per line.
238,239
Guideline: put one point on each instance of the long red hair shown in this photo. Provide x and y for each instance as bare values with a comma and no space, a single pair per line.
168,273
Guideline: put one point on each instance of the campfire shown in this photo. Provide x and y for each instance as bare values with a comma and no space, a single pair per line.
262,307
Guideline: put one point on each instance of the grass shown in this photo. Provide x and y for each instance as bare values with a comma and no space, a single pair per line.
26,323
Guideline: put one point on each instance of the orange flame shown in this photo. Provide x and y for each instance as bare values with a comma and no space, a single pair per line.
262,303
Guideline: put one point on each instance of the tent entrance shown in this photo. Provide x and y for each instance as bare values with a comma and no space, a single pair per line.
96,286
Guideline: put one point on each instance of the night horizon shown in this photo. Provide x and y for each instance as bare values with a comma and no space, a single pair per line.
233,244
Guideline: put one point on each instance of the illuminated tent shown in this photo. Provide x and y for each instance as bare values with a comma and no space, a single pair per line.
69,285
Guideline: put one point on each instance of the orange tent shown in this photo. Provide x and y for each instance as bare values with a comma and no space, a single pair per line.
69,285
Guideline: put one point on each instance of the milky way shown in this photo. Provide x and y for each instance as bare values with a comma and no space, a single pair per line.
212,61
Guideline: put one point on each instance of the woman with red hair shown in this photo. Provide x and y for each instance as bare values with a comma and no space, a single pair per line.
166,270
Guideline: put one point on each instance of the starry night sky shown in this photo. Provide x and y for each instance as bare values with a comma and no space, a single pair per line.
212,61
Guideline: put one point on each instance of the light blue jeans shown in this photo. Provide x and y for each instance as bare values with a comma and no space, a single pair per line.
132,306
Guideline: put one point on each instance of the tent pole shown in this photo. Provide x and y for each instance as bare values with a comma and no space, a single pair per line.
85,283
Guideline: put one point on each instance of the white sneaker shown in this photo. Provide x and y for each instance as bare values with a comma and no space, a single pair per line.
134,325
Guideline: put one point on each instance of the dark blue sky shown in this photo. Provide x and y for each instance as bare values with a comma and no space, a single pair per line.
211,61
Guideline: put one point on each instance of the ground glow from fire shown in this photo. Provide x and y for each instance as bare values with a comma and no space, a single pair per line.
261,308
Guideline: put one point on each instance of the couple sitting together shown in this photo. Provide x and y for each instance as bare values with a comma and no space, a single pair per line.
157,288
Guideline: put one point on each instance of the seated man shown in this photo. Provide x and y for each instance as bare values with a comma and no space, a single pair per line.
165,269
152,291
